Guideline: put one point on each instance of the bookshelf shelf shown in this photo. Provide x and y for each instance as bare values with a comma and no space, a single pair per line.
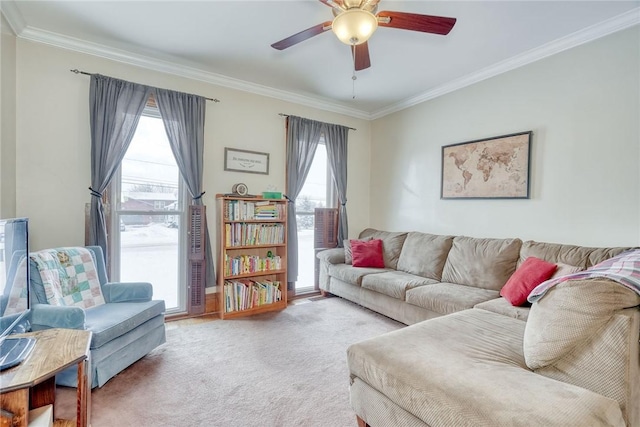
251,237
235,248
254,274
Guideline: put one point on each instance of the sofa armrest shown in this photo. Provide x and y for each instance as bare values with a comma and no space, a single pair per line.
44,316
332,256
128,292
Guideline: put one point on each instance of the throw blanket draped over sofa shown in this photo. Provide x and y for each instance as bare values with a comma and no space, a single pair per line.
569,359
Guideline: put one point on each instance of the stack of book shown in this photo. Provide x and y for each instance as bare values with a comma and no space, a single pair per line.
266,210
241,234
242,210
239,210
246,294
245,264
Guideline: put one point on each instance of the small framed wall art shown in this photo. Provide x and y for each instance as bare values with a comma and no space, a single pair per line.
246,161
490,168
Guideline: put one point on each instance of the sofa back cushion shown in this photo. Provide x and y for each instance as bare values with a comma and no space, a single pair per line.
348,253
425,254
484,263
391,244
569,315
586,332
577,256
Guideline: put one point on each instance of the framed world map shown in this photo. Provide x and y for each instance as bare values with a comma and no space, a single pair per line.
491,168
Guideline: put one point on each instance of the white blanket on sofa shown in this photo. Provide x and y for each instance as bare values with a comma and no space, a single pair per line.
623,269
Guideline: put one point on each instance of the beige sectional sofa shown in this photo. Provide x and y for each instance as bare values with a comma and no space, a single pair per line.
569,360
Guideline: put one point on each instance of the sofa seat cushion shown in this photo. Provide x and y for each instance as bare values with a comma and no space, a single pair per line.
394,283
352,275
110,321
445,298
504,307
468,369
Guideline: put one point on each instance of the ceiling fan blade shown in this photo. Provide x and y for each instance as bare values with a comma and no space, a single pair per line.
415,22
361,56
302,36
335,4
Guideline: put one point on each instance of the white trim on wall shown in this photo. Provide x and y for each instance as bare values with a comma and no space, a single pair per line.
16,21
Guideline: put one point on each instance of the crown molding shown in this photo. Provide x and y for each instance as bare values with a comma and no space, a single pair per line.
613,25
169,67
12,15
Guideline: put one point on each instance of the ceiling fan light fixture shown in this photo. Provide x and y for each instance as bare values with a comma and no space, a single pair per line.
354,26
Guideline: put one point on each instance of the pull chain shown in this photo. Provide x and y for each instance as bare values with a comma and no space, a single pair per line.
353,77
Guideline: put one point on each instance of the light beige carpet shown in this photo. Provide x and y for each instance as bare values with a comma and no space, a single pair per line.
278,369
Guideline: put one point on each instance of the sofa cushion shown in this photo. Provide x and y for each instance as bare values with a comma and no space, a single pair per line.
424,254
109,321
504,307
569,314
527,276
563,269
367,254
352,275
483,263
467,369
348,255
391,244
445,298
579,256
394,283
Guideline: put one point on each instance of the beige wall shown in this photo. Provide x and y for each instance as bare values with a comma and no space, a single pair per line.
53,150
7,121
583,108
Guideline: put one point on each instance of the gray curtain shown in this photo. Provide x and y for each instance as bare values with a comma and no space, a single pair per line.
335,138
183,118
115,110
303,136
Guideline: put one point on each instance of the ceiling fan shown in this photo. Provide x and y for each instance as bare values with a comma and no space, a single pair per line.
356,20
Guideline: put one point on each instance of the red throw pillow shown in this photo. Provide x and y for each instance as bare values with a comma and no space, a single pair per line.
530,274
367,254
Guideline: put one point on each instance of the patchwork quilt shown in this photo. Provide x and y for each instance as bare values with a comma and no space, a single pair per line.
69,277
623,269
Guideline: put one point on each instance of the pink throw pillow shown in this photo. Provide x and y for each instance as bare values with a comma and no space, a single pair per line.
530,274
367,254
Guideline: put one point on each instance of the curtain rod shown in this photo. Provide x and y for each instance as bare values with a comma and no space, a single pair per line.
76,71
287,115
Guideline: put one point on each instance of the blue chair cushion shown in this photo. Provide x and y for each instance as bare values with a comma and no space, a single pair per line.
109,321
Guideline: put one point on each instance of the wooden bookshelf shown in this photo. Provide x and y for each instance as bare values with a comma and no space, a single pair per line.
252,255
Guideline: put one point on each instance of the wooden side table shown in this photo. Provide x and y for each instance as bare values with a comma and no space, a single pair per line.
32,383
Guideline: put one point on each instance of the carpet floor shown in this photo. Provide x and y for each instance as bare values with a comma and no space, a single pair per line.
277,369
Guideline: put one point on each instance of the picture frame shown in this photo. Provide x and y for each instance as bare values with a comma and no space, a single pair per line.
490,168
236,160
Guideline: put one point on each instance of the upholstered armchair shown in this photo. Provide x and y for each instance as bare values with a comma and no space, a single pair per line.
126,323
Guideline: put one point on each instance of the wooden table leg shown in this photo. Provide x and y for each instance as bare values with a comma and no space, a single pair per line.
84,393
15,408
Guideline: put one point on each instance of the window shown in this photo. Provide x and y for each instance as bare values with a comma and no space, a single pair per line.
318,192
148,214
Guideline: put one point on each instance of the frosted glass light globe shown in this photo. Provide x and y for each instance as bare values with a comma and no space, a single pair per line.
354,26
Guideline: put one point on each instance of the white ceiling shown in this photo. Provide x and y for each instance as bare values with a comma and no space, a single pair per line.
228,43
